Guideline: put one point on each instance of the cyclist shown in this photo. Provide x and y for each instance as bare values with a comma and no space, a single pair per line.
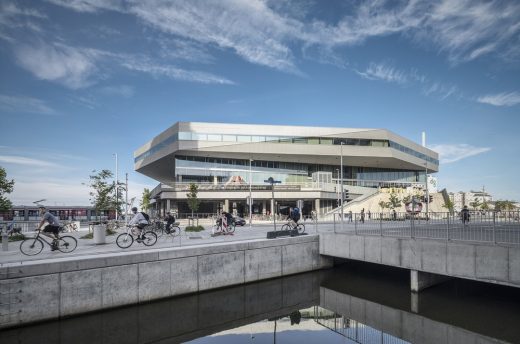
294,216
53,226
139,221
226,219
170,220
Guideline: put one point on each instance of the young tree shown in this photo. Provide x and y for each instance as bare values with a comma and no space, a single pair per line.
475,204
6,187
145,201
394,201
504,205
102,193
193,201
449,205
383,205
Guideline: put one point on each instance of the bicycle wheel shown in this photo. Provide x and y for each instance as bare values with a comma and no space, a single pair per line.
31,247
174,231
301,228
286,227
149,238
67,244
124,240
231,228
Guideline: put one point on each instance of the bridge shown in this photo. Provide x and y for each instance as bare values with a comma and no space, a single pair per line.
434,248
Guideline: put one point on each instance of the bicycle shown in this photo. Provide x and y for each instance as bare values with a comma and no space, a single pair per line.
33,246
69,227
289,226
174,231
219,229
125,240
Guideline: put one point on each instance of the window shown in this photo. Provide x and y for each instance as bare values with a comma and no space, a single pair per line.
325,141
184,136
214,137
229,138
243,138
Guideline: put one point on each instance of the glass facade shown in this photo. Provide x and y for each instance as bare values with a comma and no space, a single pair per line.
209,169
191,136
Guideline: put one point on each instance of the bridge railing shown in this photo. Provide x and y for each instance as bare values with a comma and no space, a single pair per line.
484,226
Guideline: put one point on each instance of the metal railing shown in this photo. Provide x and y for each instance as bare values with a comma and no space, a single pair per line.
489,226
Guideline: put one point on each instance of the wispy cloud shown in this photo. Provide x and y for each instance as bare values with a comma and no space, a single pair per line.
20,160
90,6
381,71
450,153
175,73
501,99
125,91
25,104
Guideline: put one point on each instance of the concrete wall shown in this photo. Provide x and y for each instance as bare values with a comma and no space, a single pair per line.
408,326
50,289
477,261
177,320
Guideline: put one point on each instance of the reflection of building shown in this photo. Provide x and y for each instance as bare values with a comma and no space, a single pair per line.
77,213
223,159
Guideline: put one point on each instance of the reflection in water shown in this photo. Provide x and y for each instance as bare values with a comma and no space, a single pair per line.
348,304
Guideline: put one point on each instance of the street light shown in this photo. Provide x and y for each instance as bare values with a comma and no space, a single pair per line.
117,188
250,198
427,192
341,186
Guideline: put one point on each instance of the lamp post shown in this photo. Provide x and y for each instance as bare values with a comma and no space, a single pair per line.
273,212
427,192
117,189
341,186
250,198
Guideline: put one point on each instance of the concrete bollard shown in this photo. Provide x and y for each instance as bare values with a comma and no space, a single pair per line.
99,234
5,241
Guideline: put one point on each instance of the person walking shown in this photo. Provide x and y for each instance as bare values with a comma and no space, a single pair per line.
464,215
362,215
350,216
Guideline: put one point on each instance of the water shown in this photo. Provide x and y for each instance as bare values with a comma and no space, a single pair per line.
354,303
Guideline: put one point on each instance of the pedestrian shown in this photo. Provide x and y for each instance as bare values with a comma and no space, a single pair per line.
394,214
363,215
464,215
350,216
369,215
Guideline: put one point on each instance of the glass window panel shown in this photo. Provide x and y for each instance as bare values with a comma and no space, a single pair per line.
325,141
184,135
363,142
285,140
229,138
258,138
301,140
199,137
243,138
313,141
214,137
272,138
352,142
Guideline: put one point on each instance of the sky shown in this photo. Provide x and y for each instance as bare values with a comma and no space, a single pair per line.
83,80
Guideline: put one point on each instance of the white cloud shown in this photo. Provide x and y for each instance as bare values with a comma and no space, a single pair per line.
25,105
69,66
20,160
90,6
501,99
175,73
449,153
380,71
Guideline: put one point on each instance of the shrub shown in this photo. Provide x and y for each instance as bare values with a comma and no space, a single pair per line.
194,229
16,237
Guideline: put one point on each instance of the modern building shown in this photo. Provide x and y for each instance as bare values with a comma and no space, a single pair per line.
226,161
461,199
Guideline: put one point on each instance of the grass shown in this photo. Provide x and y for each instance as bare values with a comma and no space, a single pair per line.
194,229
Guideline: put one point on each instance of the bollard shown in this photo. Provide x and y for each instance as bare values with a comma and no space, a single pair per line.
5,241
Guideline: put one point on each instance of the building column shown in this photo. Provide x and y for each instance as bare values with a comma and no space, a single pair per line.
420,280
317,206
272,207
264,207
168,205
226,206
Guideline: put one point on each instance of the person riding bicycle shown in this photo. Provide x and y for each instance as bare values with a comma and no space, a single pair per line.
53,226
294,216
139,221
226,219
170,220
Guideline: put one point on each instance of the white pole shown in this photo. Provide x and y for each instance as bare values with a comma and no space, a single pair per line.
126,200
250,199
341,186
117,189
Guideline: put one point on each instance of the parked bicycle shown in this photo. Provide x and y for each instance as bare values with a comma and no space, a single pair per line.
69,227
125,240
290,225
33,246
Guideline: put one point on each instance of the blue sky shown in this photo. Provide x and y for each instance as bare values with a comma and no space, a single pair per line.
83,79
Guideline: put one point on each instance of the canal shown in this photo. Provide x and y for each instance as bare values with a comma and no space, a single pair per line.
352,303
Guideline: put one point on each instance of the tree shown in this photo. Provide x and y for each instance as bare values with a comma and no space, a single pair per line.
484,205
383,205
6,187
475,204
504,205
193,201
407,199
102,194
449,205
145,201
394,201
